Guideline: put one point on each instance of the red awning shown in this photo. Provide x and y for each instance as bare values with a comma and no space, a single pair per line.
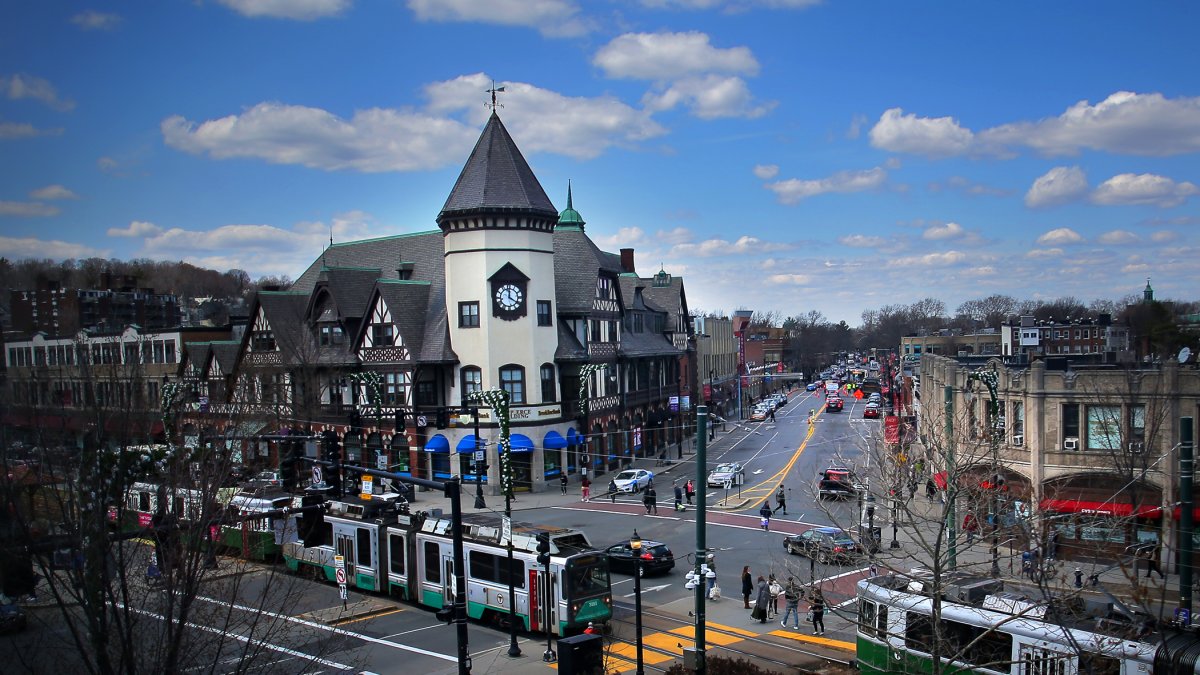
939,479
1100,508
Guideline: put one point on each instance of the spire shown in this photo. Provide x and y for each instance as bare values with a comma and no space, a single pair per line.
496,179
570,217
1148,293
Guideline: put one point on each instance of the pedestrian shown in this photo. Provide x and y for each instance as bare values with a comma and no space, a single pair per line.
761,600
765,513
585,486
1152,552
970,526
930,489
780,501
612,491
591,629
816,610
776,590
772,414
650,499
712,567
791,607
1052,546
747,585
678,497
690,489
562,482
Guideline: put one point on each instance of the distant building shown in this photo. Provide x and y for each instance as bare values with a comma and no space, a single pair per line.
58,311
952,343
1030,338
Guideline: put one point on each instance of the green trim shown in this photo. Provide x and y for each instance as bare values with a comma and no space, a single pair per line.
365,581
405,282
389,237
431,598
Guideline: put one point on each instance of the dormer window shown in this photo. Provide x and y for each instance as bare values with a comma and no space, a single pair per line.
331,335
381,335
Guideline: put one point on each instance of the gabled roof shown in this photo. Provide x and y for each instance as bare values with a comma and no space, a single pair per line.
495,178
577,264
569,347
406,301
285,311
350,288
196,353
226,355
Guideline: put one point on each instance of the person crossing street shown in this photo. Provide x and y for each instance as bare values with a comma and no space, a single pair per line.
650,500
765,513
780,501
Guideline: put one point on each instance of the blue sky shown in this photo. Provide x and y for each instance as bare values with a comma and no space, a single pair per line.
781,155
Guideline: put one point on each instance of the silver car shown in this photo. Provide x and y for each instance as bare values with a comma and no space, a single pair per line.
731,473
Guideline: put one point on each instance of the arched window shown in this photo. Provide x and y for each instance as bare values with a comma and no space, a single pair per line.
549,390
512,380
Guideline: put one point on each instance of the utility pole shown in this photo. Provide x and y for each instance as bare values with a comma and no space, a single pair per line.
1186,517
701,544
951,521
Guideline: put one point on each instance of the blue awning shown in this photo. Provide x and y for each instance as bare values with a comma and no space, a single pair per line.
467,444
437,444
572,436
520,443
554,441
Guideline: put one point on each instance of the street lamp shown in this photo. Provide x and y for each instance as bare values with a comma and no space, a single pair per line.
895,517
991,379
871,522
635,543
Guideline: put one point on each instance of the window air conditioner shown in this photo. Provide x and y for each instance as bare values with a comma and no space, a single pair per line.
1136,447
1070,444
1018,439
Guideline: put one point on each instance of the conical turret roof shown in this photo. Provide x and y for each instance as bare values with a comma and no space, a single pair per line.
496,179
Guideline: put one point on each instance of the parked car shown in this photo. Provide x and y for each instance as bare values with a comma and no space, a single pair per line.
812,386
871,411
633,480
730,472
655,557
823,544
834,404
759,413
266,479
836,483
779,400
876,397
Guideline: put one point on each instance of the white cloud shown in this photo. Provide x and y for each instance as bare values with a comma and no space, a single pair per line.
1164,236
1118,237
862,241
545,121
17,130
554,18
944,259
52,192
17,87
947,231
93,20
933,137
1044,253
669,56
30,247
1123,123
137,228
1143,189
794,190
708,97
1060,236
788,279
298,10
624,237
856,124
1058,186
766,171
721,247
28,209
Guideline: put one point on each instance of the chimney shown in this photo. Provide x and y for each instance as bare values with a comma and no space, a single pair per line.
627,260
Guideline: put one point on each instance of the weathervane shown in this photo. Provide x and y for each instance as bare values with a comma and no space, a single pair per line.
493,92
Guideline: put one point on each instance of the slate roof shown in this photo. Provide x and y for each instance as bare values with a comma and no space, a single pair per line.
408,301
350,288
496,178
659,301
577,264
197,355
285,313
226,354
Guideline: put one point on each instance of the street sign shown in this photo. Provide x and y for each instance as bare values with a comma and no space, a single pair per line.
341,576
381,462
422,421
507,534
367,487
479,455
317,477
342,592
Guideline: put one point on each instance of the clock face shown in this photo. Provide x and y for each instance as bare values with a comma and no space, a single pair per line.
509,297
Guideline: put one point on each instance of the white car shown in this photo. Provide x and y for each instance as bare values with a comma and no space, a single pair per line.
633,480
730,472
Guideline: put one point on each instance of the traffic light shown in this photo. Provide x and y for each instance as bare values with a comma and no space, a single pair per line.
289,465
333,454
401,422
543,549
309,527
443,417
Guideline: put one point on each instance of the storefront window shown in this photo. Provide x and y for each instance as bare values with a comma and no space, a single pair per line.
1101,531
550,460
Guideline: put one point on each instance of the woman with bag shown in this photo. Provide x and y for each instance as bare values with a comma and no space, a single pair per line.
747,585
776,590
761,601
690,490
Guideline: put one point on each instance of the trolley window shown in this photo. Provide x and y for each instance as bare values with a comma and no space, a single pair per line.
363,540
1098,664
494,569
396,553
588,580
866,617
143,501
433,562
918,632
881,622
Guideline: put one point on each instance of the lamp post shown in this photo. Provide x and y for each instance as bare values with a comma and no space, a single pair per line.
895,517
991,379
871,523
635,543
480,464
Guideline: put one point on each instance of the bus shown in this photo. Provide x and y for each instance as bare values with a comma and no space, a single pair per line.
385,549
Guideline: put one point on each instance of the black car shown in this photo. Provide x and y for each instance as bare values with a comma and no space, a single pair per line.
833,404
655,557
824,544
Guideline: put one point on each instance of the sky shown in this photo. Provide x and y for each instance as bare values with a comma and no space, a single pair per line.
781,155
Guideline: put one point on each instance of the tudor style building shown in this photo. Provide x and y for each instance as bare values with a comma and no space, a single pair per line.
507,293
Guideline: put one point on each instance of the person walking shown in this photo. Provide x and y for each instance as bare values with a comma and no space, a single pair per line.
650,499
761,600
678,497
585,487
747,585
562,482
816,607
776,591
612,491
970,526
780,501
930,489
765,513
711,561
791,607
690,490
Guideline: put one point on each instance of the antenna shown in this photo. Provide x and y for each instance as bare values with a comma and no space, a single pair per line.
493,91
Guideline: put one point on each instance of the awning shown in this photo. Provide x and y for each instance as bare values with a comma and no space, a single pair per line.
467,444
437,443
572,437
520,443
1100,508
939,479
554,440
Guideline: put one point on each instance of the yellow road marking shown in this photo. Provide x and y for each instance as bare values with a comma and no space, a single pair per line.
718,631
815,639
779,475
369,616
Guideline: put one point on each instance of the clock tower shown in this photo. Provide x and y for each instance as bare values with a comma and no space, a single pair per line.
498,227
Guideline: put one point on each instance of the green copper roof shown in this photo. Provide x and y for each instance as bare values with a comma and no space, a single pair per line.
570,216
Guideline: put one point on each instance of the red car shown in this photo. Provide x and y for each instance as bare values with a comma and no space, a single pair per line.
834,404
871,411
